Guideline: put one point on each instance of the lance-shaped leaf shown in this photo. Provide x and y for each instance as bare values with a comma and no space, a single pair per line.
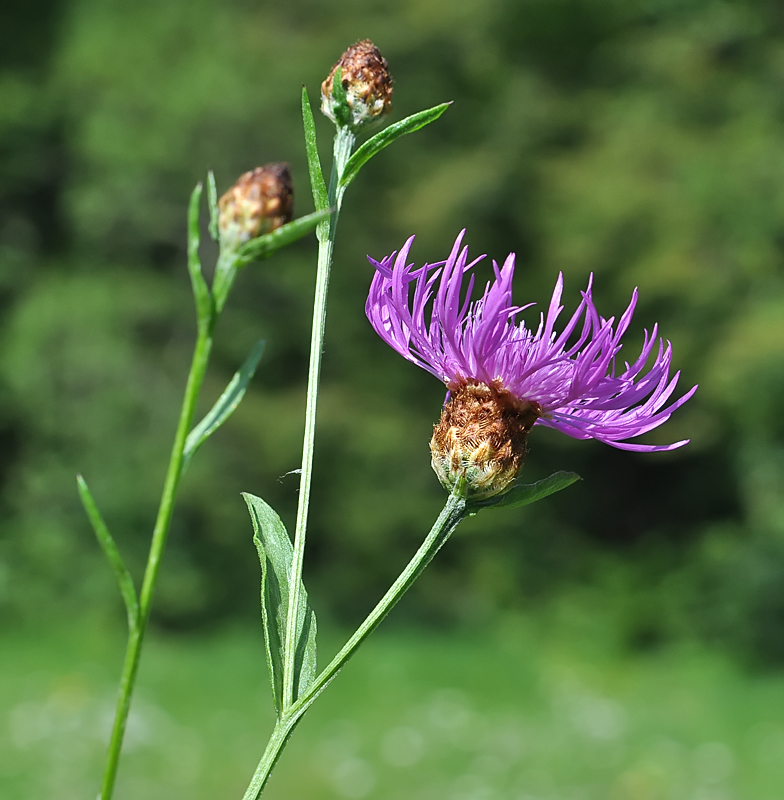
275,554
201,292
317,183
124,579
522,494
225,405
212,199
264,246
386,137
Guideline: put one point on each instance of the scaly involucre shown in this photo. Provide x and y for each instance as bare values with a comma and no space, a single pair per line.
571,375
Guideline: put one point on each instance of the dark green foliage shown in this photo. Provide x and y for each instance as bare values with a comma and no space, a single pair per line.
640,141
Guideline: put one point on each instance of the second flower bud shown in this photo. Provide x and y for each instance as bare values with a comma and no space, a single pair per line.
259,202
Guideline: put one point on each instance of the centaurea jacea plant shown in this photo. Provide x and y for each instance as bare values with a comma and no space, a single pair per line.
503,378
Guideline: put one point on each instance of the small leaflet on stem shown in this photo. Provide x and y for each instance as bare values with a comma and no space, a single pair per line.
265,246
124,579
212,199
201,292
275,555
225,405
384,138
523,494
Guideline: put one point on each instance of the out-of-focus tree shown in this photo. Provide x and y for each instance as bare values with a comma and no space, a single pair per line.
641,141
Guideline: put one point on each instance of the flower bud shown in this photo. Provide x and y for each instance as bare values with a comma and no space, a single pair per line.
366,83
481,437
259,202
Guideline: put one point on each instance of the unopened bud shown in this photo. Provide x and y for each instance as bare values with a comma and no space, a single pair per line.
366,83
259,202
481,437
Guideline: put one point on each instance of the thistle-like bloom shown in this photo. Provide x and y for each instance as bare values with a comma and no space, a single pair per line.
503,378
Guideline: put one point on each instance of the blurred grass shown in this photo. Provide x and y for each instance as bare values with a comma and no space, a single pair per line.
530,710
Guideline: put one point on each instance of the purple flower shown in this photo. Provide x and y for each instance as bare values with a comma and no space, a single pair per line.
568,380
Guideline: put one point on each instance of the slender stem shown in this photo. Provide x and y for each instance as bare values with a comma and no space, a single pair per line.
344,143
448,520
275,745
136,636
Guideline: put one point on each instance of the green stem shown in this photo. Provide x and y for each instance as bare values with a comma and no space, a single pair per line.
344,143
275,745
136,636
451,515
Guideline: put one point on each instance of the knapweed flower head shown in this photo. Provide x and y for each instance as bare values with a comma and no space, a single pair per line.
366,83
261,201
504,378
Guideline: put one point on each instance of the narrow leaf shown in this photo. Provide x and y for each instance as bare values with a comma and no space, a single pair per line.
124,579
386,137
340,107
225,405
525,493
264,246
317,183
275,555
212,199
201,292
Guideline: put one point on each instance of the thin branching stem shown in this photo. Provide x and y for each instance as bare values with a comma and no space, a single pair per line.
133,650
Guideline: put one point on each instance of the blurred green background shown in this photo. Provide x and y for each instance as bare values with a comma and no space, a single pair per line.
623,640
